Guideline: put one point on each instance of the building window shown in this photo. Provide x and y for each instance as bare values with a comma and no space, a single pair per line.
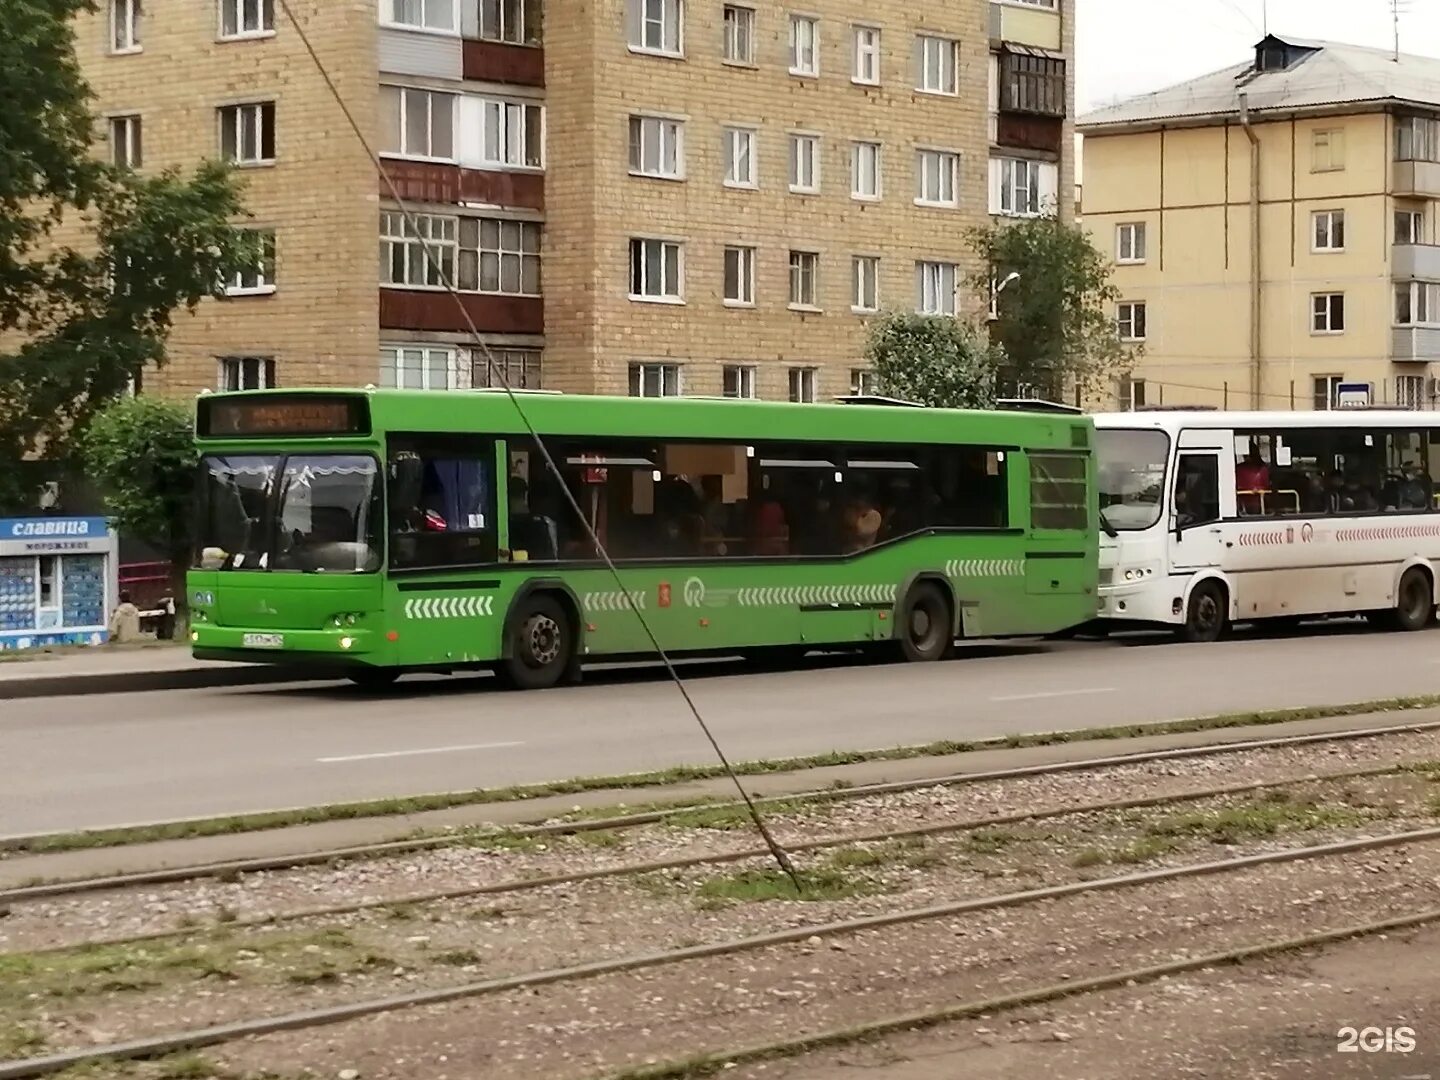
1409,226
738,381
740,157
865,170
499,256
802,385
936,61
1021,187
1417,303
657,147
512,134
419,367
865,277
419,14
1327,230
1327,150
1132,393
1410,391
804,279
655,380
247,133
1032,84
1327,313
1130,242
246,373
258,280
935,287
417,252
655,270
417,123
1327,391
656,26
739,35
805,163
126,144
866,60
1130,320
515,22
1417,138
247,18
937,175
863,382
521,368
804,45
740,276
125,16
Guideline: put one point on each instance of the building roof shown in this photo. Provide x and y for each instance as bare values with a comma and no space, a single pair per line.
1318,75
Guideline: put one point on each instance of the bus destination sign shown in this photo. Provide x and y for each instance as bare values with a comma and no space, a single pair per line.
283,416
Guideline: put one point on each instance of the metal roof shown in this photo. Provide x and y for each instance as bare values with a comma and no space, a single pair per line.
1324,75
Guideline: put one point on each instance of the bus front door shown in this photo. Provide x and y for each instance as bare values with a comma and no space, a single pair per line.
1196,510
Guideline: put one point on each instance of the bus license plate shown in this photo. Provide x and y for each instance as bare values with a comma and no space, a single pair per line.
264,641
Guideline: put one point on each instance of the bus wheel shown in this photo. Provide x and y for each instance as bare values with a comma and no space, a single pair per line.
1414,601
373,678
1205,618
925,626
542,643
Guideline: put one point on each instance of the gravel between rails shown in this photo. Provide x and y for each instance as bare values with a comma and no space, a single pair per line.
121,914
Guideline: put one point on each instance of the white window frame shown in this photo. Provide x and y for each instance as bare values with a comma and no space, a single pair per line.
670,376
263,11
934,73
126,21
509,119
735,137
1327,150
937,287
1322,318
668,135
805,46
390,12
127,141
1332,390
862,170
433,238
863,382
1009,185
647,249
515,26
739,48
925,197
866,54
1130,243
804,150
667,17
402,104
744,257
1423,300
1415,220
1048,5
255,110
803,384
804,262
746,380
457,375
1324,225
865,284
260,368
263,283
1132,320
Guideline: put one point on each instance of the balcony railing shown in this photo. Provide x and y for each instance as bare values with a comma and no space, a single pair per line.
1415,262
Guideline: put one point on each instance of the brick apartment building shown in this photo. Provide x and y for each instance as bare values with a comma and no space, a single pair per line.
642,196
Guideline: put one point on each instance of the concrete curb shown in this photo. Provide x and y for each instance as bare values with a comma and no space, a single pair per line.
135,682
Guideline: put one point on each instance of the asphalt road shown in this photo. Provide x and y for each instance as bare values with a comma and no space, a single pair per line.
105,760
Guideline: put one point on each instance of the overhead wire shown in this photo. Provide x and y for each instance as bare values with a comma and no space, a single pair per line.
777,852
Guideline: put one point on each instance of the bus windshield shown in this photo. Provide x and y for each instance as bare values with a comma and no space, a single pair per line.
1132,476
316,513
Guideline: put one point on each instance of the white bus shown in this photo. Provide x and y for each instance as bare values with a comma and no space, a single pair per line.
1213,518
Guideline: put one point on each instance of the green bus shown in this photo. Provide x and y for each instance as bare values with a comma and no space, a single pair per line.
394,530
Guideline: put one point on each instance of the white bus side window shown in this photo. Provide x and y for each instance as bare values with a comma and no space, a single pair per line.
1408,485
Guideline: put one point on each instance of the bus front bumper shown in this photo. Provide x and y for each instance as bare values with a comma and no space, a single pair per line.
258,646
1147,602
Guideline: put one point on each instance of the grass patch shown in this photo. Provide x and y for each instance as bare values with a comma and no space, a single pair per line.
1257,818
991,841
20,1041
485,840
858,858
419,804
600,838
1139,851
732,816
759,886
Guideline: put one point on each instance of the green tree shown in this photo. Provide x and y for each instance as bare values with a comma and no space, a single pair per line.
91,304
933,360
1055,322
141,453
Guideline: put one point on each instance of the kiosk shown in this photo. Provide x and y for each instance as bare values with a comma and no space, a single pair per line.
58,581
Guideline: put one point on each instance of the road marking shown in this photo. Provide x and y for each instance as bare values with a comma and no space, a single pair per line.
1055,694
412,753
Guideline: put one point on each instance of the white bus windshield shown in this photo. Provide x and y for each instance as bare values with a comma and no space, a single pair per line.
1132,476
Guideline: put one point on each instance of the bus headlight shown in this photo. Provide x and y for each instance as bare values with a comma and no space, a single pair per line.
1138,573
345,618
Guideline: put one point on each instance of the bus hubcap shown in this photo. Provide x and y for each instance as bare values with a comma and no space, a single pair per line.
544,640
1207,612
920,624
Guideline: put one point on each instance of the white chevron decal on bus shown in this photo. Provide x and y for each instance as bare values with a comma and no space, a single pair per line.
812,595
984,568
450,607
613,601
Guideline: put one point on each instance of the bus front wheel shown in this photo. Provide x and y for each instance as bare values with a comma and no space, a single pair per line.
542,644
926,627
1205,618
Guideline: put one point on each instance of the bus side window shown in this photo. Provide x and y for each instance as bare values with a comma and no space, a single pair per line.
1197,490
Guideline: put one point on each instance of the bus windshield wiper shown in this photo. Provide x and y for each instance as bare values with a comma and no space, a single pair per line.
1110,530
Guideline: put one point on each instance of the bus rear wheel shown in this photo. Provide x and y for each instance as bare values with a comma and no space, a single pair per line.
541,645
1414,601
926,625
1205,618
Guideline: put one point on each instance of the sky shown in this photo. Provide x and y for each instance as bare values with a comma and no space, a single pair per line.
1126,47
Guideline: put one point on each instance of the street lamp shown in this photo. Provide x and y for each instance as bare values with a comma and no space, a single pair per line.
996,290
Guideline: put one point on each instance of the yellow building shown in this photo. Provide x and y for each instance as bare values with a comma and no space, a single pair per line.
659,196
1273,227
